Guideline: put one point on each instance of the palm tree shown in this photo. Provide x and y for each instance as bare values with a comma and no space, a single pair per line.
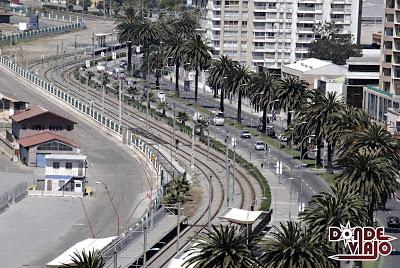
154,62
292,246
263,88
223,246
291,94
319,114
238,83
183,117
371,173
217,74
174,44
334,208
92,259
162,106
373,137
198,54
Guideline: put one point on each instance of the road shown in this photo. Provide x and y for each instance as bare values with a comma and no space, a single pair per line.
109,162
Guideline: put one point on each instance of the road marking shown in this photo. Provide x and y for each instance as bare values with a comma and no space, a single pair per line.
307,183
314,192
310,187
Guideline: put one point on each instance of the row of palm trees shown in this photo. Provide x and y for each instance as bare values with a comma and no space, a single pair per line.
172,39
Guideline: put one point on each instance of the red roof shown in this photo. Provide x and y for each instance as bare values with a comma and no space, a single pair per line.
33,112
44,137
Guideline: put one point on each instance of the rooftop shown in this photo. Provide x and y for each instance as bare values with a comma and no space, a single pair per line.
89,244
33,112
65,157
240,216
44,137
308,64
372,56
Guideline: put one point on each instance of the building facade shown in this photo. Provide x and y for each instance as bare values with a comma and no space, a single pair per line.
271,33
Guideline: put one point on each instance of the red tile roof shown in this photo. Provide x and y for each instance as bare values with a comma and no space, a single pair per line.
34,111
44,137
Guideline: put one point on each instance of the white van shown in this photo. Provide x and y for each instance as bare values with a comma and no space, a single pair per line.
217,118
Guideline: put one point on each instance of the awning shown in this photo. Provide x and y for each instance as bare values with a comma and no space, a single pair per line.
59,177
240,216
87,245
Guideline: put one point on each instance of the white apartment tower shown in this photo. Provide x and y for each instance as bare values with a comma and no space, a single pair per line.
271,33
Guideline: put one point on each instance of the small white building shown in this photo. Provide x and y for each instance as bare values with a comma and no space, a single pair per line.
65,172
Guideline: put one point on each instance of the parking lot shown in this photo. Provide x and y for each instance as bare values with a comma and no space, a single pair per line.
25,232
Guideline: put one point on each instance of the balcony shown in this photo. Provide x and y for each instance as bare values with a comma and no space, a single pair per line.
337,20
337,10
306,19
260,17
305,29
302,8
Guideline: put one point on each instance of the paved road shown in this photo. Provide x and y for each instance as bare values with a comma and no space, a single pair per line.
108,162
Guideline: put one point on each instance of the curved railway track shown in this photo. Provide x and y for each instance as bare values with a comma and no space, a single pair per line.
245,185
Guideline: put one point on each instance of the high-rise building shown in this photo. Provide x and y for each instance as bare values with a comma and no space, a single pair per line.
271,33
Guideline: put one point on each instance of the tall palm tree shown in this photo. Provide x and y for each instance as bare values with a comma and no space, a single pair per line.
182,117
223,246
319,114
334,208
198,54
291,94
238,83
154,62
91,259
217,74
373,137
263,88
291,245
372,174
174,44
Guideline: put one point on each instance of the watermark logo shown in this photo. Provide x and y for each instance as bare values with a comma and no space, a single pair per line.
363,243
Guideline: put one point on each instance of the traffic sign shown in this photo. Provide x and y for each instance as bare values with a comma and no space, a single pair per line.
87,63
114,55
186,86
233,142
102,54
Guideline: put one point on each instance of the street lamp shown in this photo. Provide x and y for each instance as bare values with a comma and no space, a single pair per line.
112,203
294,128
4,118
290,198
301,144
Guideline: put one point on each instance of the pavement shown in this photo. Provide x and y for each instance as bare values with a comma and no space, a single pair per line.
109,162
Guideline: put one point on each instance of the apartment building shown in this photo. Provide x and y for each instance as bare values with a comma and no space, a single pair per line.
272,33
384,100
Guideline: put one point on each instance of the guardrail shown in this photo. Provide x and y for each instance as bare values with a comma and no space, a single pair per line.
75,23
16,194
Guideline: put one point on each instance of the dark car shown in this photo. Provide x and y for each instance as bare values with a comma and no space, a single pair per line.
270,130
393,222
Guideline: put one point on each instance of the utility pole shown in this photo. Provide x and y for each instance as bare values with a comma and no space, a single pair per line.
115,258
233,175
120,101
209,202
227,169
144,246
174,135
57,55
102,95
75,44
62,56
147,108
178,228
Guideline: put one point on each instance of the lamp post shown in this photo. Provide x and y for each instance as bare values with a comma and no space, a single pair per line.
4,118
301,144
112,203
294,128
290,198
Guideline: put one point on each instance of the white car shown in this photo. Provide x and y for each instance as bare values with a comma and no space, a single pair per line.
217,118
245,134
282,138
197,117
259,146
161,96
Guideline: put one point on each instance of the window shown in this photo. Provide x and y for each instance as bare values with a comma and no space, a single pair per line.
54,146
56,165
61,183
68,165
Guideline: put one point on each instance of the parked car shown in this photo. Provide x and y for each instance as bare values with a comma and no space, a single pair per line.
270,130
260,146
393,222
282,138
123,64
197,117
161,96
217,118
118,72
245,134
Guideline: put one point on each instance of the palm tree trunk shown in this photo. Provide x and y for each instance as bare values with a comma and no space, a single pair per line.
318,159
129,47
239,108
330,153
288,120
371,211
177,66
215,92
221,102
196,84
157,80
264,119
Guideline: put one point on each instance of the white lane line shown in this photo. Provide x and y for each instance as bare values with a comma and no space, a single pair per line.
390,212
310,187
314,192
307,183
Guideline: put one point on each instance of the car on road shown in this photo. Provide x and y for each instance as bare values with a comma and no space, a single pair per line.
282,138
123,64
270,130
217,118
245,134
393,222
161,96
197,117
260,146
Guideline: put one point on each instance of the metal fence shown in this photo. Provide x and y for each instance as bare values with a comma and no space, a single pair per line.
16,194
74,23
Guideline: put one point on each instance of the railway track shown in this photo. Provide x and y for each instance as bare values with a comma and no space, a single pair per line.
242,180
